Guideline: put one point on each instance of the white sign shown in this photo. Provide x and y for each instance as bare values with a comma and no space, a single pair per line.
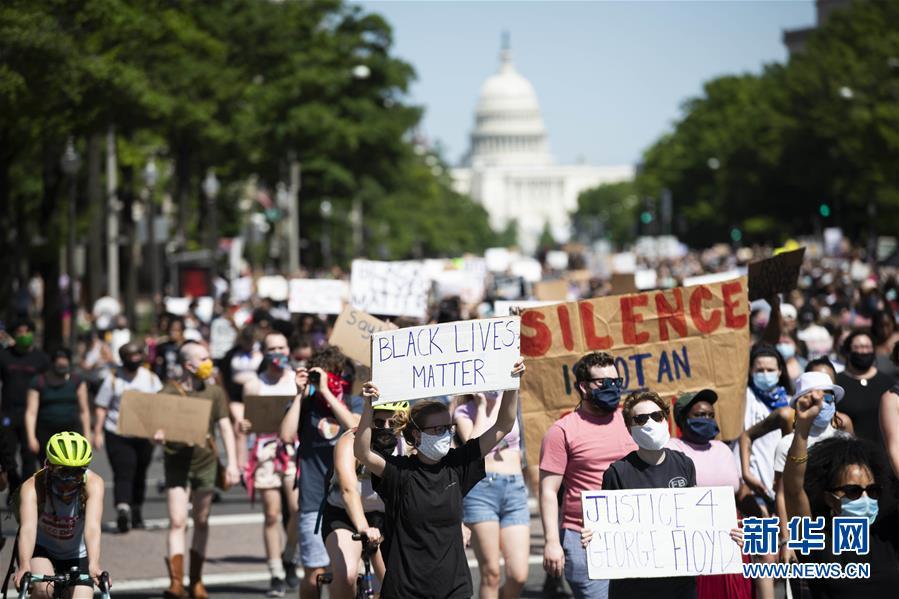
528,268
466,285
222,337
273,287
389,288
645,278
557,260
504,307
715,277
317,296
468,356
652,533
497,259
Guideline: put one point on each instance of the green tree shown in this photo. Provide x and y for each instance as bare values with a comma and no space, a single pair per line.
607,211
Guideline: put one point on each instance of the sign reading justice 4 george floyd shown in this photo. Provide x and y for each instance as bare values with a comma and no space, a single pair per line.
652,533
670,342
445,359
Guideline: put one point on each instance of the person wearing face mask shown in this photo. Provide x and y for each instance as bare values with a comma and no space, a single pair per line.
190,471
352,505
694,414
129,457
843,476
864,386
576,451
271,468
423,494
651,466
57,401
19,364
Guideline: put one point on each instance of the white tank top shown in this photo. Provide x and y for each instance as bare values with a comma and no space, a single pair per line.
60,527
284,386
371,501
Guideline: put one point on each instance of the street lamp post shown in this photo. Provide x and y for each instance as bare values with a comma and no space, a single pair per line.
211,187
151,176
326,210
70,164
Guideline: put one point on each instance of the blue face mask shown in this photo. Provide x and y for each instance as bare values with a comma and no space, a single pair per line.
702,429
863,507
828,409
787,350
765,380
606,399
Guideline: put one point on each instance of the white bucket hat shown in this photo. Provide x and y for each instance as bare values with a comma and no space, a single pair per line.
809,381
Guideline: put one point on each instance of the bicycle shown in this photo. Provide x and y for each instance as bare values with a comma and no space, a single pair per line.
365,581
60,583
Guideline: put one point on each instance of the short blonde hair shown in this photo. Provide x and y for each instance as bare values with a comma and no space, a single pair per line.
405,421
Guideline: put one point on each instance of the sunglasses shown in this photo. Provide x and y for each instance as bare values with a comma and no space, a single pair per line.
606,383
382,423
440,429
853,492
68,473
641,419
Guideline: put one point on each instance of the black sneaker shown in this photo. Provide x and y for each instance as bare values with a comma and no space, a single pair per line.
553,587
277,588
123,521
290,571
137,519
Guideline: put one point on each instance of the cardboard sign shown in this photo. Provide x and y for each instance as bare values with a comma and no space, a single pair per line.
551,291
445,359
389,288
317,296
265,412
774,275
183,419
669,341
623,282
653,533
352,334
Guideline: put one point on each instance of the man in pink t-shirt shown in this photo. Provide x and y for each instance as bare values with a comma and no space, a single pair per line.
576,452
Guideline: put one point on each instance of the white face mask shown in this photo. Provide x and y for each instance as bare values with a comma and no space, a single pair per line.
652,435
434,447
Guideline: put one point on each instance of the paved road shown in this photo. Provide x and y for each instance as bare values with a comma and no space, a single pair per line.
236,561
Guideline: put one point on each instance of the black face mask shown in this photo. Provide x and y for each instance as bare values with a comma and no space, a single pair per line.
131,365
606,399
61,370
383,441
701,429
861,361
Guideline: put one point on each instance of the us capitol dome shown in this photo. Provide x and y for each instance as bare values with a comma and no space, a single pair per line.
508,167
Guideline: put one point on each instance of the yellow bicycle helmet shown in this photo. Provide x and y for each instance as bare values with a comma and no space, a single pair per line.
396,406
69,449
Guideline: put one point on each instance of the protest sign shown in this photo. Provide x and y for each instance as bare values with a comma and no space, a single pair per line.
528,268
497,259
557,260
653,533
551,291
182,419
624,262
222,336
645,278
389,288
265,412
352,334
623,282
317,296
446,359
273,287
774,275
466,285
504,307
669,341
715,277
508,288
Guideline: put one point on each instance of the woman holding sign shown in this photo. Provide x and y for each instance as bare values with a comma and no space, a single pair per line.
423,494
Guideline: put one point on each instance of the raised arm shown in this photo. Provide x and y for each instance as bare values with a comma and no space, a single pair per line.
291,422
807,407
33,401
467,428
84,409
505,417
342,413
362,445
771,423
771,334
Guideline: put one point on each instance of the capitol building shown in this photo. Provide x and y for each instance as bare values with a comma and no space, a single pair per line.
508,167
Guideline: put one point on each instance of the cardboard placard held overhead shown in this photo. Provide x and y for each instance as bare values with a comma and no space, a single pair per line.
317,296
774,275
265,412
670,341
390,288
624,282
183,419
446,359
673,532
551,291
352,334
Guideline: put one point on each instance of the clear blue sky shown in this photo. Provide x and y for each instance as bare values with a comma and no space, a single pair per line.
610,76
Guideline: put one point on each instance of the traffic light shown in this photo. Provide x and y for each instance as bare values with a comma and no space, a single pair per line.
646,217
824,210
736,235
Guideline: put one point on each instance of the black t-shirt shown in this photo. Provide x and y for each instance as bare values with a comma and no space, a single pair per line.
16,371
630,472
862,404
883,558
423,548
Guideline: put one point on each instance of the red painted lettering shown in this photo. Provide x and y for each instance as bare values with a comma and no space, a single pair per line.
705,326
671,315
588,324
630,320
536,345
565,324
728,291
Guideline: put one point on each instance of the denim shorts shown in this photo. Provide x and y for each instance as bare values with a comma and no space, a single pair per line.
312,548
498,498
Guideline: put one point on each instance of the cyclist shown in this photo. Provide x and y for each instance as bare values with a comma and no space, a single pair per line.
60,513
352,506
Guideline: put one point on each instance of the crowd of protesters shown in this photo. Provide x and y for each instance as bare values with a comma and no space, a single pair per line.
821,437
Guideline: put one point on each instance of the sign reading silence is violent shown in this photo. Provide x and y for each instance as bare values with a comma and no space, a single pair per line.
445,359
652,533
670,342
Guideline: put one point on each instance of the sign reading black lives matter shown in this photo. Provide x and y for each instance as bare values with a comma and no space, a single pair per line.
446,359
652,533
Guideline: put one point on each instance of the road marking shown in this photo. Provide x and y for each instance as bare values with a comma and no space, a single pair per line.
214,520
212,580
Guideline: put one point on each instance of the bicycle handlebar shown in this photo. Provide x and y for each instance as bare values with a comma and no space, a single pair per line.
66,579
